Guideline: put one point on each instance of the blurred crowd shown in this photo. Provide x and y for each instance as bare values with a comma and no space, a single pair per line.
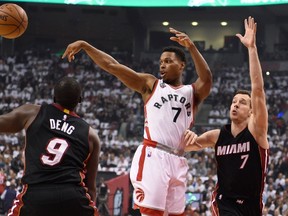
117,114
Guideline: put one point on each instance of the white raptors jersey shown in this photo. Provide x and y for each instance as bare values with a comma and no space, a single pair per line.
168,113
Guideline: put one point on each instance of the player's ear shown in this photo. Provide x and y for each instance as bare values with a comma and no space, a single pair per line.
182,66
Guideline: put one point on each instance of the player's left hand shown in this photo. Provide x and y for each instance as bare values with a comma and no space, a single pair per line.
180,37
190,138
249,38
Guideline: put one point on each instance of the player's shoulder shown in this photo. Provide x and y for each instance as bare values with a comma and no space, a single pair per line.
260,137
92,131
35,106
28,108
150,79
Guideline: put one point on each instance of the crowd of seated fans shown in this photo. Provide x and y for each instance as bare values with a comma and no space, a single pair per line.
117,114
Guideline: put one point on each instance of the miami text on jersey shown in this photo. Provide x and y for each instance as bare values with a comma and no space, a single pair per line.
233,148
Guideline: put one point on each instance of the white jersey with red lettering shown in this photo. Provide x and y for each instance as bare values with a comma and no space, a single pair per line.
158,171
168,113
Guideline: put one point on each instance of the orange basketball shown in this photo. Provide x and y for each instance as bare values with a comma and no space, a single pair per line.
13,21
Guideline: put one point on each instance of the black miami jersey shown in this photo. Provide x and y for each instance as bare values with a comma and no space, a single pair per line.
241,165
56,147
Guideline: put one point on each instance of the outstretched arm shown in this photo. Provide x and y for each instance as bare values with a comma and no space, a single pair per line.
140,82
258,123
195,143
18,119
204,82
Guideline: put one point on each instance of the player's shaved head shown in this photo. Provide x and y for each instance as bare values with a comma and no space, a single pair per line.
67,93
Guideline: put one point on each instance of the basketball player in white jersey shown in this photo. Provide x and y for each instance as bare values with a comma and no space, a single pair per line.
158,171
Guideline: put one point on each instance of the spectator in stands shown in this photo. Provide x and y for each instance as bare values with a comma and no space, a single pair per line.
7,195
102,197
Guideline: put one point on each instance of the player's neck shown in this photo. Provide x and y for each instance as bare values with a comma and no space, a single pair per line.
237,127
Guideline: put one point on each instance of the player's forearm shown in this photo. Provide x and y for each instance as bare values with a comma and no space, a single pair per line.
255,69
102,59
202,68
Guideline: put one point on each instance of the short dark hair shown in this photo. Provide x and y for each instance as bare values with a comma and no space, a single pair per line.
245,92
242,91
177,50
67,92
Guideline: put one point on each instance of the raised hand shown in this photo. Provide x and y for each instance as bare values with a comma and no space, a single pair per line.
249,39
180,37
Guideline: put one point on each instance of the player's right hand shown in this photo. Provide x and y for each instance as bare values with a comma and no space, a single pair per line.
73,49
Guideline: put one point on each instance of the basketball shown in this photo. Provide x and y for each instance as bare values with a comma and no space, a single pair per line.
13,21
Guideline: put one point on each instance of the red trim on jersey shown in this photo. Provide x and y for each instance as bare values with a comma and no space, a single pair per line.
150,143
175,87
214,206
18,203
194,108
192,123
82,172
147,132
145,112
141,164
69,112
264,157
146,128
92,204
153,90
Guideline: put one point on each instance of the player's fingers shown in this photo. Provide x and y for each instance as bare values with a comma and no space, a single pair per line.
174,39
246,23
64,54
190,137
239,36
187,134
186,137
181,34
172,30
198,144
194,138
71,57
183,38
193,141
251,21
255,27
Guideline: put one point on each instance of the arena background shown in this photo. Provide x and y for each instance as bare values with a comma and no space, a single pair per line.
136,34
138,29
